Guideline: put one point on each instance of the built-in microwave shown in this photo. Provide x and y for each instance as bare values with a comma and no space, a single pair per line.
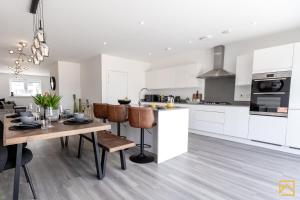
270,93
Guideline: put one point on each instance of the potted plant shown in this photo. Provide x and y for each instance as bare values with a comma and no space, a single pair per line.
46,101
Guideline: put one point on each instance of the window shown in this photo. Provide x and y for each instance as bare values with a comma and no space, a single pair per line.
25,87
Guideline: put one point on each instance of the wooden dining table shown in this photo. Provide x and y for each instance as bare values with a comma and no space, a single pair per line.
59,130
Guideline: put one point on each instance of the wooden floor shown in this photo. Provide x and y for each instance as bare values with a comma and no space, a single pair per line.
212,169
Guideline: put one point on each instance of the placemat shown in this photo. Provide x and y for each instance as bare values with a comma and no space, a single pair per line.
76,122
23,127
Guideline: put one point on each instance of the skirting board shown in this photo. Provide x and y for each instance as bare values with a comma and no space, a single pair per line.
247,141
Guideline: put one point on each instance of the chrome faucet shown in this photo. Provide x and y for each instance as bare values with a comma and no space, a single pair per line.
140,102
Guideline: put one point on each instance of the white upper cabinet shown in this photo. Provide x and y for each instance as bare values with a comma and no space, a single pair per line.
236,121
175,77
295,83
244,65
279,58
293,136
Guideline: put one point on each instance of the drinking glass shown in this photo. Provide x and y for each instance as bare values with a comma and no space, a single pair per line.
50,115
30,107
38,112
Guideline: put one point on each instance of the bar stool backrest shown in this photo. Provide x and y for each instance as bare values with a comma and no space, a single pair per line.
100,110
141,117
117,113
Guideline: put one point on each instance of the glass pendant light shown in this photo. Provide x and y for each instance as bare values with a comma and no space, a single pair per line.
36,43
39,55
40,34
33,49
44,49
36,60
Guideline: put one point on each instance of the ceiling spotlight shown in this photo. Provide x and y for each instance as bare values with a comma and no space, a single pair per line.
142,22
149,54
205,37
11,51
226,31
168,49
253,23
104,43
190,41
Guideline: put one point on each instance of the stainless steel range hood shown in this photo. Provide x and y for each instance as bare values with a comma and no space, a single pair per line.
217,71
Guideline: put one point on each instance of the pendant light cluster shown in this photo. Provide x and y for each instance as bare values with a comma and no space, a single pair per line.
22,61
39,48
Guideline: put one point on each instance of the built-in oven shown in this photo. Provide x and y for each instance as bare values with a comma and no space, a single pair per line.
270,93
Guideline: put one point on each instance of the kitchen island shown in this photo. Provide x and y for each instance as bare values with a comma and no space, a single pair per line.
168,139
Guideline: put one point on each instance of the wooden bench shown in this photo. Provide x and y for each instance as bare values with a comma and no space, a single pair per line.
109,143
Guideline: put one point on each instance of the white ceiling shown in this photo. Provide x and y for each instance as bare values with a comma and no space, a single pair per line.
77,29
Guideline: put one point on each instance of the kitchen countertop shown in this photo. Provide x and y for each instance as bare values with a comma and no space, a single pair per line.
198,104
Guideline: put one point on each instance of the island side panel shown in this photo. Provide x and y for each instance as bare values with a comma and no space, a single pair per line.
172,133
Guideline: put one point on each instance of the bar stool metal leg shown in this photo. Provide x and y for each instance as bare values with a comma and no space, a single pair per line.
141,157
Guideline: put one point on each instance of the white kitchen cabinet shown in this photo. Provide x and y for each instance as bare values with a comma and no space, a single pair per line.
236,121
278,58
207,118
243,72
268,129
175,77
295,82
293,133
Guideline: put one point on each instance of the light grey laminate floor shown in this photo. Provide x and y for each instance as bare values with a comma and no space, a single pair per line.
212,169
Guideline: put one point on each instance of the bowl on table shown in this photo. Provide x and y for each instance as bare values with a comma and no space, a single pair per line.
79,116
27,119
124,101
26,114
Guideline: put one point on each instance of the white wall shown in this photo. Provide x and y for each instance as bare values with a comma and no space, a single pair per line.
5,93
232,50
90,75
69,82
235,49
136,75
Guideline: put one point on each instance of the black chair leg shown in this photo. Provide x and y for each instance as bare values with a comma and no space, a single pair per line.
62,142
122,159
67,141
80,146
103,162
28,177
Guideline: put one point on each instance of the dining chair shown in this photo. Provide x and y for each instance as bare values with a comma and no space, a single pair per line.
8,159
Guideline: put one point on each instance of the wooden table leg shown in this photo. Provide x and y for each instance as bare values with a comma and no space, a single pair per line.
17,171
96,153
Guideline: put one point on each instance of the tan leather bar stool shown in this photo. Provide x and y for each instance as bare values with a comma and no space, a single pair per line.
100,111
143,118
118,114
